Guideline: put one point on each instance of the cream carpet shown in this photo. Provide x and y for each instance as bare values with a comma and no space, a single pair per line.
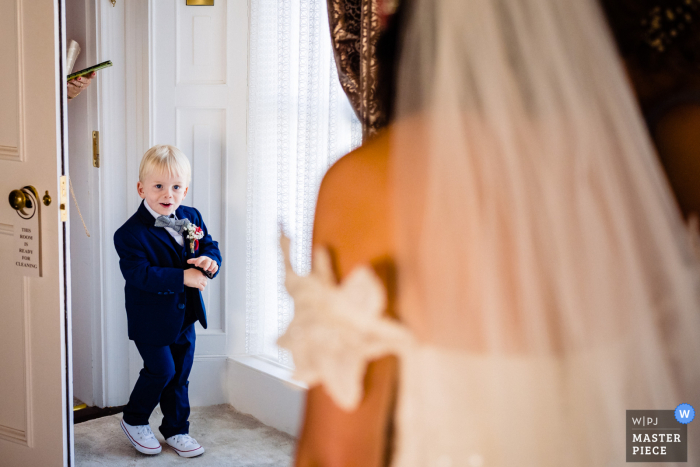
230,439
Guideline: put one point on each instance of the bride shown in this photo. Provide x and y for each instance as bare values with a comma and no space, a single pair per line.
502,274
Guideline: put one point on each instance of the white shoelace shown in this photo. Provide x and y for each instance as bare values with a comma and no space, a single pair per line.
184,440
145,432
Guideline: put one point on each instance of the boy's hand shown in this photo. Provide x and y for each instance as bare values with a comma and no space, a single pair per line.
205,263
195,279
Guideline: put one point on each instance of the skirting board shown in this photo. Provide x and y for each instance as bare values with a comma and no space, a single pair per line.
266,392
208,381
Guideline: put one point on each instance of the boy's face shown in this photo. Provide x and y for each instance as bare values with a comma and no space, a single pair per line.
163,192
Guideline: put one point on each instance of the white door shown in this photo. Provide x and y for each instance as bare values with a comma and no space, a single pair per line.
199,90
190,106
34,420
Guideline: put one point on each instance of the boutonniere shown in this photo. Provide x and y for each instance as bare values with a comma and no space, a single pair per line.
193,234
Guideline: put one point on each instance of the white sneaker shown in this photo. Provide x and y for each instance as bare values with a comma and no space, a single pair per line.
185,445
142,438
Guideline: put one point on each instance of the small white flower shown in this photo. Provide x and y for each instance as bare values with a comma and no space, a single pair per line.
194,232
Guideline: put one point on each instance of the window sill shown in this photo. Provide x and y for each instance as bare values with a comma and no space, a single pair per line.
269,368
266,391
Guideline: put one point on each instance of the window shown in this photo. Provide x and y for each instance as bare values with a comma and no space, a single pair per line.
299,123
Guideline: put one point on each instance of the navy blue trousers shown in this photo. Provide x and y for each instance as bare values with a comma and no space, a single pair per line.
164,379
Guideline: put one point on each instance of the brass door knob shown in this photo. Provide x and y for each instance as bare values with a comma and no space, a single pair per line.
22,199
18,200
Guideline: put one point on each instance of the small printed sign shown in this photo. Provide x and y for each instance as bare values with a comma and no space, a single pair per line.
28,245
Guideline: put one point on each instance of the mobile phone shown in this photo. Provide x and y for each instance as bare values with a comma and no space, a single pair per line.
89,70
210,275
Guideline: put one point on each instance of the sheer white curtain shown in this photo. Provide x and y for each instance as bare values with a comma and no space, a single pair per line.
299,123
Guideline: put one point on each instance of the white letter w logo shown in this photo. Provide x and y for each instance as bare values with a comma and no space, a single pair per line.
685,413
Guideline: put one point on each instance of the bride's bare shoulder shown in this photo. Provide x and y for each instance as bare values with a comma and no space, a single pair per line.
361,170
353,210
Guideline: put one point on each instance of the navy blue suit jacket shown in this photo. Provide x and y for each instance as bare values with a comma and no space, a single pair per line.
153,264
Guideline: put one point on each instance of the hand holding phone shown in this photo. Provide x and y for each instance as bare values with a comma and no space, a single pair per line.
79,84
89,70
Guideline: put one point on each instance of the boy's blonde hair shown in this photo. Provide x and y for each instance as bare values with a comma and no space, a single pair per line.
164,158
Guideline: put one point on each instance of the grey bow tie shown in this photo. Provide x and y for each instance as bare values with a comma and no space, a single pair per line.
178,225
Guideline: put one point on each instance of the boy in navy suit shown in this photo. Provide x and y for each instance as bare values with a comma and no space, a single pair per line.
166,256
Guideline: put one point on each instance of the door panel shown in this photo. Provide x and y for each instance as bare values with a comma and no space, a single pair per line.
33,390
201,135
191,103
13,387
198,102
193,99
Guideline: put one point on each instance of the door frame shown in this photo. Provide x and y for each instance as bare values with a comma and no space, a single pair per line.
66,337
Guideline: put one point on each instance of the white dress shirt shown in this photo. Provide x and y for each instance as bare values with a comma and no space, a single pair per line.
173,233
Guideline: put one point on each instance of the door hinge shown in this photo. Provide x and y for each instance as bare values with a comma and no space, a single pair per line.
96,149
63,195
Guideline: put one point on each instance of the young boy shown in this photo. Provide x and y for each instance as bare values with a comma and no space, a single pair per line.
164,253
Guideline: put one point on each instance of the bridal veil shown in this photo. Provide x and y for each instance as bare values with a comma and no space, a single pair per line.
535,223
